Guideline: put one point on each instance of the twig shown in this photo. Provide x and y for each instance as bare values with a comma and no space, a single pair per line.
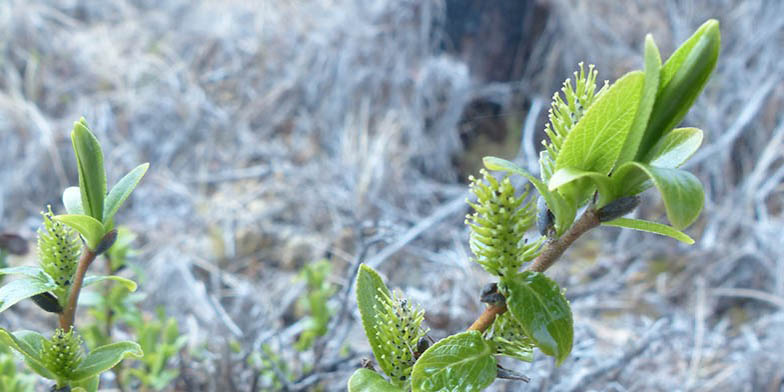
552,251
67,316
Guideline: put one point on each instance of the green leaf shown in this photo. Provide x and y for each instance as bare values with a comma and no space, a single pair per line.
92,177
650,227
122,190
88,385
563,210
648,98
596,141
369,288
538,304
33,272
127,283
29,344
24,288
72,200
106,357
463,362
681,191
683,77
567,175
366,380
90,228
675,148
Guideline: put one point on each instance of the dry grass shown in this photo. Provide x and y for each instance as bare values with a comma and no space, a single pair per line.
283,131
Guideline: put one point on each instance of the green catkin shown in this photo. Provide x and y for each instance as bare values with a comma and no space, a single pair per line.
564,114
58,249
510,339
62,354
498,225
398,327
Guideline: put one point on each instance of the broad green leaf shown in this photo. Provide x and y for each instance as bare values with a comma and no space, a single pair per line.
650,227
29,344
463,362
563,210
127,283
681,191
88,385
91,229
122,190
17,290
92,177
683,77
596,141
538,304
72,200
567,175
648,98
106,357
33,272
369,288
366,380
675,148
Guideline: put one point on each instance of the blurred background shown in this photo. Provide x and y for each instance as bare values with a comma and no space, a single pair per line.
285,132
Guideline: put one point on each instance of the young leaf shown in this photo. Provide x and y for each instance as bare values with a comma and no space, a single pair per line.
72,200
675,148
91,229
596,141
681,191
92,177
683,77
29,344
106,357
650,227
122,190
648,98
366,380
369,302
538,304
127,283
26,270
88,385
24,288
564,211
566,175
462,362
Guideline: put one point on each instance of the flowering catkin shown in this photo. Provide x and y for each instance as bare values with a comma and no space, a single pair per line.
58,250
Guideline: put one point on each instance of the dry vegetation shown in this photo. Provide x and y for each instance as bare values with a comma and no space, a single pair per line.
281,132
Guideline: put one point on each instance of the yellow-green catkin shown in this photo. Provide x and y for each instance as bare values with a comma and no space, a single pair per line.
58,250
62,354
498,225
398,327
564,114
510,338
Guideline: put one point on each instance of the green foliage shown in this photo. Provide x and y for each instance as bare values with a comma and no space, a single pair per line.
395,326
540,308
604,149
461,362
11,379
270,367
161,341
498,226
366,380
319,290
55,285
565,113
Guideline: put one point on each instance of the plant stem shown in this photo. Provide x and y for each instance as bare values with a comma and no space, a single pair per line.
550,254
67,316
